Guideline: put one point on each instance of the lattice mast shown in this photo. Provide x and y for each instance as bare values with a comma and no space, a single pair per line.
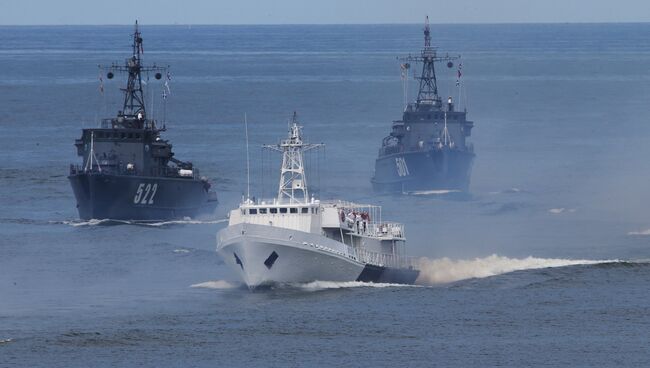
293,186
133,95
428,88
134,102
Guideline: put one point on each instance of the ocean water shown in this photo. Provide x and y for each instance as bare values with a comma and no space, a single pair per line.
545,262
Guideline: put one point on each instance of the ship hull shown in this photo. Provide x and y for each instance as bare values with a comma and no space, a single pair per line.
423,171
266,255
139,198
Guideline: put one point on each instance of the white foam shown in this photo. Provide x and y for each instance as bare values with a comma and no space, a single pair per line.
511,190
641,232
323,285
217,284
5,341
445,270
181,250
91,222
557,211
433,192
95,222
184,222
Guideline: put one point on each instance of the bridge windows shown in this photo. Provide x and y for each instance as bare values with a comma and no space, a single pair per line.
281,210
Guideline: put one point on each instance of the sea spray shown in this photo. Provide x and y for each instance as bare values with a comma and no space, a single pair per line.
324,285
217,284
445,270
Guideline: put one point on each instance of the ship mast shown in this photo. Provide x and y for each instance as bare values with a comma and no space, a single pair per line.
133,110
133,95
428,89
293,181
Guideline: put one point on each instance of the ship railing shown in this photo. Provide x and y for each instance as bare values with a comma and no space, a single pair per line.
389,150
255,201
113,123
386,230
122,169
386,259
78,169
174,172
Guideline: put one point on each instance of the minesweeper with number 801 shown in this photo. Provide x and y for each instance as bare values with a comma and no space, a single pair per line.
129,172
297,239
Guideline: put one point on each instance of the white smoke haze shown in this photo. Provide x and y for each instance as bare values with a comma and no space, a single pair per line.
446,270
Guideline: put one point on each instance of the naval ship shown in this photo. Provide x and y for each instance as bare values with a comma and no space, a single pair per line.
129,171
426,150
295,238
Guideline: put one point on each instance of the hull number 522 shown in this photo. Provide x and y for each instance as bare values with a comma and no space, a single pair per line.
145,193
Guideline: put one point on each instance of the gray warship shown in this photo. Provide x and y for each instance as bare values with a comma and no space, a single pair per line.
129,171
426,150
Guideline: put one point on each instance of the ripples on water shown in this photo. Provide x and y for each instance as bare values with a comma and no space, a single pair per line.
543,263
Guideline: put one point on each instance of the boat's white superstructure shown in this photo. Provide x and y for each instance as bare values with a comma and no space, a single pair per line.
295,239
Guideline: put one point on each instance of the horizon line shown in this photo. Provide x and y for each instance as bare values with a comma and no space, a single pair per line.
320,24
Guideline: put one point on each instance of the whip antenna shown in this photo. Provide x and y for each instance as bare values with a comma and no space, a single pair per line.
248,165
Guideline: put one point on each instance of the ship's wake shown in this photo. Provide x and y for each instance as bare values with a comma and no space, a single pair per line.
645,232
96,222
433,192
309,286
434,272
325,285
445,270
217,284
184,222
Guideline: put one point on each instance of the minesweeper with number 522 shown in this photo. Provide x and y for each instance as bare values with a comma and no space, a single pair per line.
129,171
297,239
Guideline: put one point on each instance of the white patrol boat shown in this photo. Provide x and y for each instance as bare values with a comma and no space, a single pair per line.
297,239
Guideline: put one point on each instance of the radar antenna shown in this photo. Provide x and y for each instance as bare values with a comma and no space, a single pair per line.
428,89
293,181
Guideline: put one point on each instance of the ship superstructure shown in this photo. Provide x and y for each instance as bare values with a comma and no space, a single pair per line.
295,238
427,149
129,171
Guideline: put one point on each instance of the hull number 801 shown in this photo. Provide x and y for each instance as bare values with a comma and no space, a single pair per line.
402,169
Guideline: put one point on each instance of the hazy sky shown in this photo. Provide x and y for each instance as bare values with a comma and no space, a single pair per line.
323,11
